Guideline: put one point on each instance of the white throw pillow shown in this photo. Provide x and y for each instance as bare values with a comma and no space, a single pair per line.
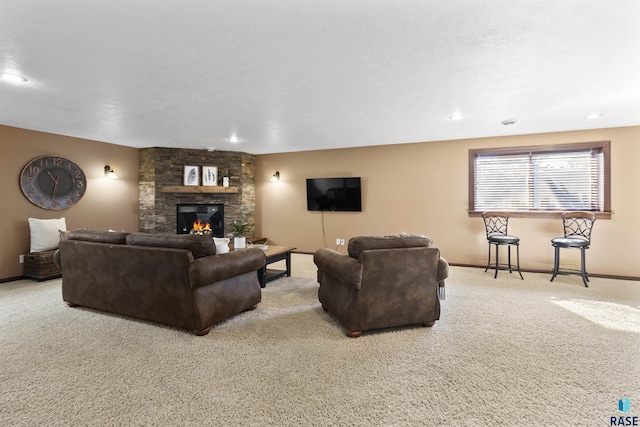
222,245
45,233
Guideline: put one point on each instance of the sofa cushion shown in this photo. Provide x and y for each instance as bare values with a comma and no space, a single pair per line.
363,243
113,237
200,246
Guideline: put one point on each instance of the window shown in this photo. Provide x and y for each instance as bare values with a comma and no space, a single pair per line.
541,180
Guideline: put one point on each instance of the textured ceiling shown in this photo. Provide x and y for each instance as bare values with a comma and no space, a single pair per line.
302,75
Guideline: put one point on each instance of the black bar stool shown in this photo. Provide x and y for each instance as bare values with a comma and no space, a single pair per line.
496,224
577,235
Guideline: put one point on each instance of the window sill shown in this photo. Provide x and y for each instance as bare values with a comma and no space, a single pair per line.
539,214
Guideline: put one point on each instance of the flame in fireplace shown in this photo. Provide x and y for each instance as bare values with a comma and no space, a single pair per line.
199,226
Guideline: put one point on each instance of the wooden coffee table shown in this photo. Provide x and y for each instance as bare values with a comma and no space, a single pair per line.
275,254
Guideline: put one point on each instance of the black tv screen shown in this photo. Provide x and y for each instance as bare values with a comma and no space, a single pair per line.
334,194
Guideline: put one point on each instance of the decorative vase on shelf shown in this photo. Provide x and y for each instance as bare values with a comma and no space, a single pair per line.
225,181
239,242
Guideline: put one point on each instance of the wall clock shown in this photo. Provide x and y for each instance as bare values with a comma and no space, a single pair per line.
52,182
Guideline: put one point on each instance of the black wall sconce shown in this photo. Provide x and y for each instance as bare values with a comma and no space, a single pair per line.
110,173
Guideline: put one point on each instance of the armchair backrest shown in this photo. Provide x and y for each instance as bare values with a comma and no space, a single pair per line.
395,268
363,243
399,286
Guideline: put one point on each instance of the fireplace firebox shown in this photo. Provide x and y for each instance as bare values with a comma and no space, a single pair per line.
187,215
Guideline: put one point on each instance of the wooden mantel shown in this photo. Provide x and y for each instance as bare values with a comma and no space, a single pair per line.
197,189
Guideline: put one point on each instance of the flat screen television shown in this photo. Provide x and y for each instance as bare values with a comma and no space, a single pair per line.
334,194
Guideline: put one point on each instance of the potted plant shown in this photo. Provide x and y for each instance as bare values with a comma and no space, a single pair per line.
239,228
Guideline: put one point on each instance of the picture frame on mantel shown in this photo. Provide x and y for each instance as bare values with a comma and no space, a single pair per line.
191,175
210,175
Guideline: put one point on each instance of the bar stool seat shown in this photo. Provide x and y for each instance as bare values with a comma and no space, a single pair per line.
568,242
503,240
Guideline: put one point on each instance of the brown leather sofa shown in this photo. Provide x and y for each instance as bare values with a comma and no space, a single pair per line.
384,281
177,280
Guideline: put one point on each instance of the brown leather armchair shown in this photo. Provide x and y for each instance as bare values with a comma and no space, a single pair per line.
384,281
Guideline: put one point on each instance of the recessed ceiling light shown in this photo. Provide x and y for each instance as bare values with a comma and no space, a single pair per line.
593,116
13,78
233,138
455,116
509,122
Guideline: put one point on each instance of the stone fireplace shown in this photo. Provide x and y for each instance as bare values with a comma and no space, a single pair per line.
161,190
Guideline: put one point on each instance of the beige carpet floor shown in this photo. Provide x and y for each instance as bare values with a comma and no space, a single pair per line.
506,352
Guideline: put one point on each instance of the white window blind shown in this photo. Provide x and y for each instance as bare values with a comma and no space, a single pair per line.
540,181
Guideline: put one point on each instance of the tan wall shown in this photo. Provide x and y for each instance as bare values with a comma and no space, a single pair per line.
417,188
106,204
423,188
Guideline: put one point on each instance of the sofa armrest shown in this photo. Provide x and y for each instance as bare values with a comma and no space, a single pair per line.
443,269
443,273
215,268
342,267
56,258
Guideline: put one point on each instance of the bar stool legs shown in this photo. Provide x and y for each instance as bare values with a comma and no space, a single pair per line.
509,265
583,268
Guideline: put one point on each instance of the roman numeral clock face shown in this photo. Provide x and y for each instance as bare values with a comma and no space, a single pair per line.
52,182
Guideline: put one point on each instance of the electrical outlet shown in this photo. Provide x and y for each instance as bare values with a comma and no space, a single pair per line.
341,242
337,241
21,259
